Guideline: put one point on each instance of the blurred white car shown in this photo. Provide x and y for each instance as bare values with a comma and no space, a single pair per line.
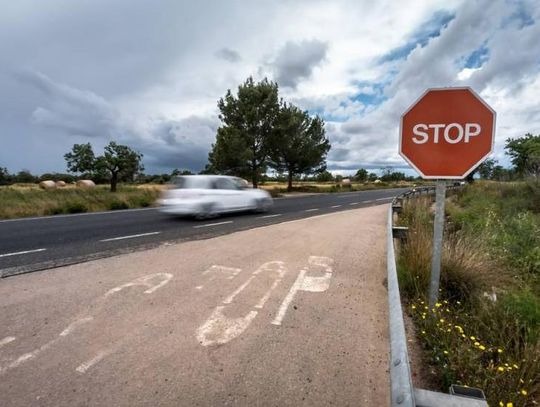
204,196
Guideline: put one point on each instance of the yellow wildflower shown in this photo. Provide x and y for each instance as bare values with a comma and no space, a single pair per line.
524,392
500,350
438,304
445,352
500,369
515,366
482,347
477,343
473,338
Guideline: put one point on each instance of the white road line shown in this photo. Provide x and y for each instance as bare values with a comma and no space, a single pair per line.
354,203
88,364
336,206
72,215
269,216
130,236
212,224
6,340
311,210
367,201
24,252
384,199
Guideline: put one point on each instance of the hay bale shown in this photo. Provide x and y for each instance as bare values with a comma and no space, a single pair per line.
60,184
48,184
346,181
86,183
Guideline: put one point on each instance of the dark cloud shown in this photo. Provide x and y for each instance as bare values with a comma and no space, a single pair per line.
296,61
229,55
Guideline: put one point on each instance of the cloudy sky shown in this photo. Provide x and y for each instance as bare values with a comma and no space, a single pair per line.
149,73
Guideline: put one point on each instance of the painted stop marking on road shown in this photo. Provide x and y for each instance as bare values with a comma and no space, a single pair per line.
447,133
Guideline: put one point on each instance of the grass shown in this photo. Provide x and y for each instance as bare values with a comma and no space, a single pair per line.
485,331
29,200
277,188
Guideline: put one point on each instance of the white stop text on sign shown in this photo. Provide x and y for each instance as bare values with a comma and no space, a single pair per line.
452,133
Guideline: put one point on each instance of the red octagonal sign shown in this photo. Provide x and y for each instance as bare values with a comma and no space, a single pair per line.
447,133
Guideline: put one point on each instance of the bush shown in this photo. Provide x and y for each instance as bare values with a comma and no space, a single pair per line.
118,205
76,207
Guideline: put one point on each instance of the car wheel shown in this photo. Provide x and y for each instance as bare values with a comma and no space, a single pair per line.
206,211
263,205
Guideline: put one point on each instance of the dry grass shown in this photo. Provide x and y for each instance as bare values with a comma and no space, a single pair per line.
23,200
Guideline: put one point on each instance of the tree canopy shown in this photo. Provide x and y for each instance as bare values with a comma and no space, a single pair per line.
248,120
118,162
298,144
258,131
524,154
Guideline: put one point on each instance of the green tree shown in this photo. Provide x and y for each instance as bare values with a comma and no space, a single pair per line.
5,177
372,176
361,175
248,120
298,144
486,168
325,176
81,159
524,154
119,162
24,177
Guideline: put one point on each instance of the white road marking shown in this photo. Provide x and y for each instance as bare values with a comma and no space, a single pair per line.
306,283
367,201
75,324
6,340
269,216
82,368
311,210
354,203
212,224
71,215
230,298
24,252
336,206
216,270
384,199
130,236
220,329
144,281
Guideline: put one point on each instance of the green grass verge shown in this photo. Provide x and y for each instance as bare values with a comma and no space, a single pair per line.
485,331
24,201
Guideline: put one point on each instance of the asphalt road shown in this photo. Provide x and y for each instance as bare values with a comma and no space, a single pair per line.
39,243
292,314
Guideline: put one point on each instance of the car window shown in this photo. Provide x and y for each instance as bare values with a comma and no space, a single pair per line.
191,182
224,183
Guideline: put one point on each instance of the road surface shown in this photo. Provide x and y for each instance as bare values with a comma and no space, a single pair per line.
292,314
40,243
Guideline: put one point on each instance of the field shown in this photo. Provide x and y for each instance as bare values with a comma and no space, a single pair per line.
485,330
277,188
24,200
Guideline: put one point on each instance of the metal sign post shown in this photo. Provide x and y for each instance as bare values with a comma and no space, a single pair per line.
438,229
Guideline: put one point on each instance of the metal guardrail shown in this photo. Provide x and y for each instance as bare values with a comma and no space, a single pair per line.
402,391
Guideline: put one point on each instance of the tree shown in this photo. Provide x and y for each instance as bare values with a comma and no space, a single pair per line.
248,119
298,144
361,175
372,177
486,168
324,176
24,177
119,162
81,159
525,154
5,177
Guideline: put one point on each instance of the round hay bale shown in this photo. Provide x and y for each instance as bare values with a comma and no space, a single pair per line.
48,184
86,183
346,181
60,184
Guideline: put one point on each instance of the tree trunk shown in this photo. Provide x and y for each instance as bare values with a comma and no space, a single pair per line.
114,181
289,186
254,174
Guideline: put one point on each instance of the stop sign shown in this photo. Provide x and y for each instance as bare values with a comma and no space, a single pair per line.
447,132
